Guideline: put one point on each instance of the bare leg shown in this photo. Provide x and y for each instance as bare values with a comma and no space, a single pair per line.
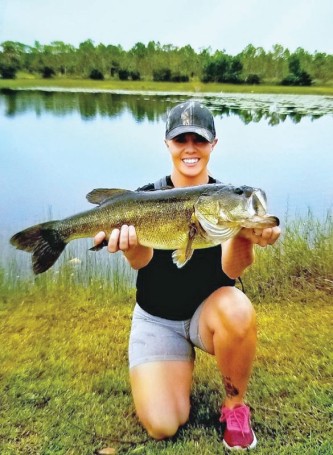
227,328
161,393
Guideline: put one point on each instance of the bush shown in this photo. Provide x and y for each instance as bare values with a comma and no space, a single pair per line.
297,76
291,79
301,79
123,74
8,71
162,75
304,79
135,75
233,79
47,72
178,77
96,75
223,68
253,79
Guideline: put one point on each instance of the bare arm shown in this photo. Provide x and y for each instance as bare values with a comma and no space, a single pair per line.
238,252
125,240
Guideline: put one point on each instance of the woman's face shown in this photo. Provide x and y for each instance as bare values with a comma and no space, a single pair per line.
190,153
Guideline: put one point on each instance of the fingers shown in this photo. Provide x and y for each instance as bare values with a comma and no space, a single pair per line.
264,237
98,239
122,239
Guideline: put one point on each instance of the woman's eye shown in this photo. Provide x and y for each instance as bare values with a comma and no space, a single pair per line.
201,139
181,138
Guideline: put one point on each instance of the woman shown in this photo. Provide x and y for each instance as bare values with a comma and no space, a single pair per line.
197,305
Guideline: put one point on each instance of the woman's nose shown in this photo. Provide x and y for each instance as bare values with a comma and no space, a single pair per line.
190,146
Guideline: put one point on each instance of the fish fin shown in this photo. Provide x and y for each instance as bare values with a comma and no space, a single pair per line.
161,189
44,242
99,246
166,187
181,256
99,195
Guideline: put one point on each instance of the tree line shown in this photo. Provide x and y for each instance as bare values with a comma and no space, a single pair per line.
159,62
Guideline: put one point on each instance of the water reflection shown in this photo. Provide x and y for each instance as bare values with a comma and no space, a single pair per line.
89,105
273,109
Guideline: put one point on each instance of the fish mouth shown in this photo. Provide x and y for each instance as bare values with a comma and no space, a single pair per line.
258,203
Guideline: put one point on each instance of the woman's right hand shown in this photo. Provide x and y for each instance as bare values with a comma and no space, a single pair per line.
125,239
121,239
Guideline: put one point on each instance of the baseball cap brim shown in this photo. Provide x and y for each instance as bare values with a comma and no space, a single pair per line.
190,129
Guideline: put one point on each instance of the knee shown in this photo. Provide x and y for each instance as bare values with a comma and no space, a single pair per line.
165,424
159,429
236,313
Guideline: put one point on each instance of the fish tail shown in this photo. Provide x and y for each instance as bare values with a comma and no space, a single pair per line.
44,241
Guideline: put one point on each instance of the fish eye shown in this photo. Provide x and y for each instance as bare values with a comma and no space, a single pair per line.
238,191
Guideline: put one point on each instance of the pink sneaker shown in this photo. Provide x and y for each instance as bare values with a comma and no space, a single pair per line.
238,434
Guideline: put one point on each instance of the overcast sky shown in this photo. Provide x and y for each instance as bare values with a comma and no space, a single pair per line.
218,24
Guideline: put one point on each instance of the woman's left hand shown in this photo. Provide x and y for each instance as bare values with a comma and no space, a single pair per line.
261,237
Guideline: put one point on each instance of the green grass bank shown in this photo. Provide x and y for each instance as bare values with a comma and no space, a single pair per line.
64,386
26,82
65,390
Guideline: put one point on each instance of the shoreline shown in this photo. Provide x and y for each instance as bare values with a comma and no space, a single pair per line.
157,88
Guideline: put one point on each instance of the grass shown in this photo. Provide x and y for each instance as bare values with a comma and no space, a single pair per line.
303,260
28,82
64,386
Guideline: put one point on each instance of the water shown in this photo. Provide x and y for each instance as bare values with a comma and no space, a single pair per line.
57,146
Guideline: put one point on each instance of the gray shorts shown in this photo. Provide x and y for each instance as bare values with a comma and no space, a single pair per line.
155,339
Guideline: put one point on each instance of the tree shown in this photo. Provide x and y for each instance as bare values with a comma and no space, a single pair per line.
222,68
294,65
297,76
277,66
167,62
322,66
11,59
87,58
63,56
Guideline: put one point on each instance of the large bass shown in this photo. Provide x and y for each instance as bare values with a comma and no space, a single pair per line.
179,219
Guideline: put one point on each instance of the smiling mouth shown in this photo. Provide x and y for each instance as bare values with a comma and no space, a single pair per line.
190,160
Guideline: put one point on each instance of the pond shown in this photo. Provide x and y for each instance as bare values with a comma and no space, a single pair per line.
57,146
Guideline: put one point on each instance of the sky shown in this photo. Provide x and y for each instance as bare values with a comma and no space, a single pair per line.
215,24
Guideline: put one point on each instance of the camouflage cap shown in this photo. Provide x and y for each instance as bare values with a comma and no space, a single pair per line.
190,117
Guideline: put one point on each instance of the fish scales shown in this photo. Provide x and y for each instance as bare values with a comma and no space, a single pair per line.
171,215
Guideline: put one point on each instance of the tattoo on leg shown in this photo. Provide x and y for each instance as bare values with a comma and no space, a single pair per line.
230,389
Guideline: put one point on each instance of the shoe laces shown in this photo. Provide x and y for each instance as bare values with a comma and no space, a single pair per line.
236,418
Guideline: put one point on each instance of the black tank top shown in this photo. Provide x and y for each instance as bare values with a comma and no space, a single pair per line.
166,291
